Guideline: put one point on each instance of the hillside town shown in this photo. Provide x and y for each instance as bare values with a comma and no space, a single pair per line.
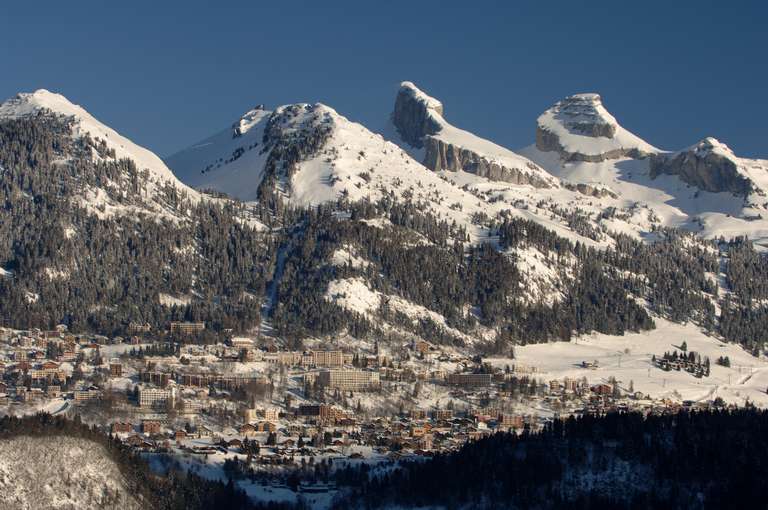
272,409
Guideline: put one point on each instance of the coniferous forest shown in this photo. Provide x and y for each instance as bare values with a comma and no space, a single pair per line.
697,460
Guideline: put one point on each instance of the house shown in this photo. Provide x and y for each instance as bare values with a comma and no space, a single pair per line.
247,430
121,427
187,328
204,431
115,368
180,435
150,427
470,380
266,426
601,389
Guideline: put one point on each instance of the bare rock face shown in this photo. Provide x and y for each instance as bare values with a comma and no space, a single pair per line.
580,114
412,115
708,165
419,121
579,128
445,156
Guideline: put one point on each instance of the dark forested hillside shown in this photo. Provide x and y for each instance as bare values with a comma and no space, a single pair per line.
688,460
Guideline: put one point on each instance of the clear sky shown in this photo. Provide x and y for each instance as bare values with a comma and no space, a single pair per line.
167,74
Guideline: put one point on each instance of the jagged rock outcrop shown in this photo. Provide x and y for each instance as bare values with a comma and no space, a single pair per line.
419,121
590,190
709,165
579,128
440,155
412,116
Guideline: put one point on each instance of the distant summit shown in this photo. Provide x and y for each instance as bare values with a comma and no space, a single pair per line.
579,128
418,119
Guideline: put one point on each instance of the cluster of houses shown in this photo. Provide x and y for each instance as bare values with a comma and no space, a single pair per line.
690,362
200,397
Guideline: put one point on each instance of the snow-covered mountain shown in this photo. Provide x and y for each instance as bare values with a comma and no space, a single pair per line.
108,144
704,188
311,154
420,123
579,128
426,190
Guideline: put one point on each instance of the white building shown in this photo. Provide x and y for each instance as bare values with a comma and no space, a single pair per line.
155,398
349,379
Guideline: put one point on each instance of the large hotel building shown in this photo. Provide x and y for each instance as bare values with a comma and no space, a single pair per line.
349,379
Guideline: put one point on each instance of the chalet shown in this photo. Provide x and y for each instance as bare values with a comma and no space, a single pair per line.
150,427
601,389
121,427
204,431
266,426
180,435
134,440
421,347
247,430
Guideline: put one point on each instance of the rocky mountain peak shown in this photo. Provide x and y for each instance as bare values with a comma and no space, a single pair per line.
711,165
248,120
711,145
580,128
414,115
418,119
584,114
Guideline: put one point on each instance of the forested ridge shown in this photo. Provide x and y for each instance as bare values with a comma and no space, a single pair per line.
68,265
698,460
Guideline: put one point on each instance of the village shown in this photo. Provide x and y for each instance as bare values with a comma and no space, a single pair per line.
252,404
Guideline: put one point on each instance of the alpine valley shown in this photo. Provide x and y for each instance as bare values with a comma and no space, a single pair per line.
304,306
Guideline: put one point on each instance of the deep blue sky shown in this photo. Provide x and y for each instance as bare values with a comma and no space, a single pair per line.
168,74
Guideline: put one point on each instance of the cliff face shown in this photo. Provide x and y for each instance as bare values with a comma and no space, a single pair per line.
419,121
412,116
708,165
547,141
579,128
446,156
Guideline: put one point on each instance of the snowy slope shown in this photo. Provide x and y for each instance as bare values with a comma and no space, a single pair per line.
628,358
231,161
28,104
83,123
60,472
